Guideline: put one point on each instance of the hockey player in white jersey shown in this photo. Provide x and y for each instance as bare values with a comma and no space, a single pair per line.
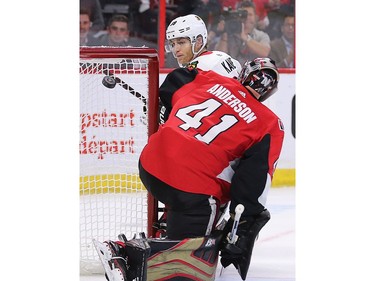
187,40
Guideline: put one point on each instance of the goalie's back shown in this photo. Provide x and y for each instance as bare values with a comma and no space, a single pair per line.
213,121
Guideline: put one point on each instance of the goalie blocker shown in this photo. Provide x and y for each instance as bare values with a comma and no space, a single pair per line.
239,253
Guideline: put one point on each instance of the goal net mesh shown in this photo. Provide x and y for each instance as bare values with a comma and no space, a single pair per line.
114,128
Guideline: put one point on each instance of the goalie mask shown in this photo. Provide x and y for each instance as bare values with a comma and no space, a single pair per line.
261,75
190,26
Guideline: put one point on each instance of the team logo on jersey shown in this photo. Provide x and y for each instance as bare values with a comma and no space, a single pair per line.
242,94
192,65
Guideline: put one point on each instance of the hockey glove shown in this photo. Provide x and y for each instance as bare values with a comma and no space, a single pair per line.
239,253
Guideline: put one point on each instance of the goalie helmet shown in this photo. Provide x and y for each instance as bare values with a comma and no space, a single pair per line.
190,26
261,75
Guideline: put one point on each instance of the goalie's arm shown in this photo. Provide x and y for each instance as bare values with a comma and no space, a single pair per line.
174,81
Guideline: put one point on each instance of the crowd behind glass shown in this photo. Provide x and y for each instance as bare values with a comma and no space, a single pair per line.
271,23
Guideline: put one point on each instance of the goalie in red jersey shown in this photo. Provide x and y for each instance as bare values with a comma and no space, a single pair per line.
218,144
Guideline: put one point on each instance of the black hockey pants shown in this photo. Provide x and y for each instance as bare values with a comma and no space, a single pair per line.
188,214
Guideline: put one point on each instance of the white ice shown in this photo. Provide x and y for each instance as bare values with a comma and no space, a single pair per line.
274,252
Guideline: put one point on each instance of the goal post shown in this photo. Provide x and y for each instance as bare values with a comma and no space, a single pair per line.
115,123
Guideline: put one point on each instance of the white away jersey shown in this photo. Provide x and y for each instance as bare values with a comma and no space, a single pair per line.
217,61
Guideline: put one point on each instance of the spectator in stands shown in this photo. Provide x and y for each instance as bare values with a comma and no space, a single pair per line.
262,8
183,8
144,18
96,15
208,10
214,34
276,18
85,36
244,41
229,4
118,34
282,49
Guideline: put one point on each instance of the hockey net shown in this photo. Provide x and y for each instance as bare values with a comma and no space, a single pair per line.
114,127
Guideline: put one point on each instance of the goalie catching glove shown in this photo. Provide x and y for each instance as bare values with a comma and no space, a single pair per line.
239,253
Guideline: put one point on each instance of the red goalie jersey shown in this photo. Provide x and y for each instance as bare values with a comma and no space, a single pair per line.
217,140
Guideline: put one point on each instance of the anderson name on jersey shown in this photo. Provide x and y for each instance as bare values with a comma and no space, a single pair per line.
238,106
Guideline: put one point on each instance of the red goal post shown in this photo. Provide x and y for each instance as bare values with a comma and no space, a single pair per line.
114,127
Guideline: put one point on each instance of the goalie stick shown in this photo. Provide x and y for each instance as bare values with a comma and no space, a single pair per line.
239,210
110,81
232,235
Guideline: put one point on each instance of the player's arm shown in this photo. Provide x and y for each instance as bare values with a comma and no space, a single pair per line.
253,175
174,81
251,178
248,184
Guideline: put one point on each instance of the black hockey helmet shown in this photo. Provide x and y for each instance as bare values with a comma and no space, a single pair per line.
260,74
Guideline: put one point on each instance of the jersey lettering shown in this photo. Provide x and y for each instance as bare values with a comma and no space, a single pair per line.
238,106
228,65
202,110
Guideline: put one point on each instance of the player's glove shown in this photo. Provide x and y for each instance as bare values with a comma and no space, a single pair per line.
230,253
163,114
239,253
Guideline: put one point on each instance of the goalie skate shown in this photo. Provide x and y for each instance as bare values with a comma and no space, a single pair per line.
113,265
124,260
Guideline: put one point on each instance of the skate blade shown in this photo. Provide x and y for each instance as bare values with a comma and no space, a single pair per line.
105,256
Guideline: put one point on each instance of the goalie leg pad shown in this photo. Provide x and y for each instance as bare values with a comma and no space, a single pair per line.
239,254
187,259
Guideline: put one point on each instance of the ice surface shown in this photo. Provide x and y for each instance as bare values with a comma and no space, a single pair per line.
274,252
